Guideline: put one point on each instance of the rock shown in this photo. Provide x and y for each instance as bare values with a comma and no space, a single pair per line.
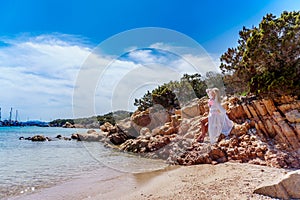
141,118
74,136
293,116
216,153
167,129
262,134
246,110
90,137
189,135
252,110
108,127
60,137
184,127
289,134
287,187
91,131
260,107
269,105
117,138
240,129
151,118
159,116
145,131
127,126
237,113
38,138
68,125
190,111
145,144
297,127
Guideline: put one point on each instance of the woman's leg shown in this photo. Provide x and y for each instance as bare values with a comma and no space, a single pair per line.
204,128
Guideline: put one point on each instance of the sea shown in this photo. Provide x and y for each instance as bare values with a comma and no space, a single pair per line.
26,166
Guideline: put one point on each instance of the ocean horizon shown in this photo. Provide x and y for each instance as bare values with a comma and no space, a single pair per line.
27,166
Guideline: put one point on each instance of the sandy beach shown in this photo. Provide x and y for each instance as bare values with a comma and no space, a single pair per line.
222,181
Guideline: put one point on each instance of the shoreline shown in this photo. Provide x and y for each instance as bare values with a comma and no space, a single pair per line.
221,181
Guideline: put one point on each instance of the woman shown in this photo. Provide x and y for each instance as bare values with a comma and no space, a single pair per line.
218,121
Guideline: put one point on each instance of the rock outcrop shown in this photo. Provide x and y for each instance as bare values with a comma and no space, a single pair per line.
266,132
287,187
275,120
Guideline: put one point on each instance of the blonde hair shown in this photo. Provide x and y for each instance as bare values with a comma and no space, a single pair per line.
217,94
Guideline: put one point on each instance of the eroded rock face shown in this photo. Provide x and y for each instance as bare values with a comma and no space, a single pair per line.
287,187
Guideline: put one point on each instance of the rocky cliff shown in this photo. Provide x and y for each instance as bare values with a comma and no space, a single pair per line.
266,132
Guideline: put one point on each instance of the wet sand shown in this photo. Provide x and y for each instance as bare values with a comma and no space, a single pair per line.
222,181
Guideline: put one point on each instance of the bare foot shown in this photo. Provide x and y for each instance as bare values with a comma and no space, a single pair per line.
200,139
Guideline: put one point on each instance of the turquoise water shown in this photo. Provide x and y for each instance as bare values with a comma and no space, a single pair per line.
27,166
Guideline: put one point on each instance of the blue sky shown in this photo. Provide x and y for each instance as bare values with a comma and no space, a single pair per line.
43,44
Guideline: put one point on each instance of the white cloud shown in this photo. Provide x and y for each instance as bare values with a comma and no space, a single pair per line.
195,64
141,70
38,74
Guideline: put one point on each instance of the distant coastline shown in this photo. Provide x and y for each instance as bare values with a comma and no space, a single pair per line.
27,123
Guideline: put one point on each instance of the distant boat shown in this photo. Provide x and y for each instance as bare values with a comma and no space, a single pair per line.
15,122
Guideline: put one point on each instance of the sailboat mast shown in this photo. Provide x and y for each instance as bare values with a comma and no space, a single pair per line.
16,115
10,115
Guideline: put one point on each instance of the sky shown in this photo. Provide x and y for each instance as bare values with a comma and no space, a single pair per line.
65,59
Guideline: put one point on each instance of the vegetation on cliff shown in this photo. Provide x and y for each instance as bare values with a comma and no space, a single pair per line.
266,62
175,93
267,58
60,122
94,121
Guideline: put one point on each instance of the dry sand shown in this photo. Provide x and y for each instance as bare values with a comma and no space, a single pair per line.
222,181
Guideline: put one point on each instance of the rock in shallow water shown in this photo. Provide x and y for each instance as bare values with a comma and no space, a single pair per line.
39,138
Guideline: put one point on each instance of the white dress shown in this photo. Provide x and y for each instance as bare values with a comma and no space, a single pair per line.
218,121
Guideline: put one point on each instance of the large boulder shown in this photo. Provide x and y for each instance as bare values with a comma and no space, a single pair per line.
127,126
287,187
90,136
118,138
141,118
39,138
151,118
190,111
108,127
